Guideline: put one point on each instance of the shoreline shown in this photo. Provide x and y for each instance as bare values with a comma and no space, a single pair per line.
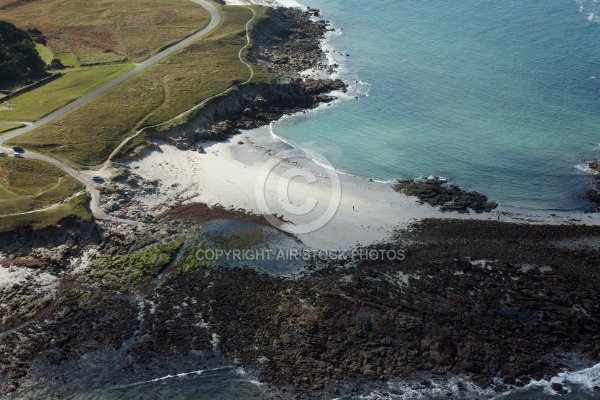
227,174
234,186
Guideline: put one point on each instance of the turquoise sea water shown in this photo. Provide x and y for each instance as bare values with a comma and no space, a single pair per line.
502,97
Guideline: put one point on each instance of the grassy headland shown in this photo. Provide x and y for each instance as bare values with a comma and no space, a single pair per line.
88,135
27,185
75,207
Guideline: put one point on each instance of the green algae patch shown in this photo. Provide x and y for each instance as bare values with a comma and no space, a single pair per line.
194,258
128,272
243,239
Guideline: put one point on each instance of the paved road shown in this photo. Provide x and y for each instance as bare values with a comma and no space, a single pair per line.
215,19
89,184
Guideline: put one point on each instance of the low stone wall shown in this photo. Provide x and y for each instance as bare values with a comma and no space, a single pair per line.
35,85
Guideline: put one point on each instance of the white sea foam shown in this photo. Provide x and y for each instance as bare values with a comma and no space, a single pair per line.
440,178
174,376
586,169
586,379
459,387
463,388
385,181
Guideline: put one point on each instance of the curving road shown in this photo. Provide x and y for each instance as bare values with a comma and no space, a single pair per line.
89,184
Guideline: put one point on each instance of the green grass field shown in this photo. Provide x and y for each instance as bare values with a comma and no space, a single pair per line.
6,126
75,83
88,135
44,52
31,186
76,207
68,59
27,185
108,30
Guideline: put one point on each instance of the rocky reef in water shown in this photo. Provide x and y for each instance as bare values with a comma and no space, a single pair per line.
288,42
437,192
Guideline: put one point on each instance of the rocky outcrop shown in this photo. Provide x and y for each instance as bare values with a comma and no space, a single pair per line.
436,192
249,107
288,41
593,193
118,198
141,150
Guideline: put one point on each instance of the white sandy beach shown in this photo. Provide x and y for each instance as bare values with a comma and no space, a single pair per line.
229,174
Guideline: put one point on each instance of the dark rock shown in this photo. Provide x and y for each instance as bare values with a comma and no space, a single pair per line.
224,116
593,194
288,41
436,192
